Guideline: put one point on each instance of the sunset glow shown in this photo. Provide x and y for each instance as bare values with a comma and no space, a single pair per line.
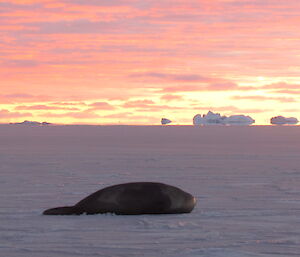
134,62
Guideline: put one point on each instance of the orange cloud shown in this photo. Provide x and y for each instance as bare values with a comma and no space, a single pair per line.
282,86
138,104
75,115
23,98
286,91
132,118
150,106
264,98
232,109
6,114
118,50
69,103
296,110
171,77
101,106
206,87
169,97
44,107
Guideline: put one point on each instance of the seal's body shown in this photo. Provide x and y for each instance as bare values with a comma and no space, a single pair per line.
132,199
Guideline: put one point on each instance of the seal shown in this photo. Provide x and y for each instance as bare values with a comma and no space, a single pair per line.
132,199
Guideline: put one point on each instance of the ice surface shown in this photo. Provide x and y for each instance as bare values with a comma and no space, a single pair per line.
246,180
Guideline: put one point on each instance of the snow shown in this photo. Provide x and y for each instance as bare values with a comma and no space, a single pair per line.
216,119
246,180
280,120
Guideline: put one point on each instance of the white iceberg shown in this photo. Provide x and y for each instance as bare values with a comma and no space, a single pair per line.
32,123
198,119
239,120
165,121
209,118
215,118
280,120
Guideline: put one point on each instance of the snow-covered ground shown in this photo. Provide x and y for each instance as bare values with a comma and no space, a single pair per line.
246,180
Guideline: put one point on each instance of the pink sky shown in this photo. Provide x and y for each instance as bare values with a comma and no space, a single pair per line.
134,62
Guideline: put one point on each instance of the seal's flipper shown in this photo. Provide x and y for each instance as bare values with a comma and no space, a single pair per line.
66,210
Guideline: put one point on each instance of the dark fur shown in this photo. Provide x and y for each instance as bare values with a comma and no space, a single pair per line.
131,199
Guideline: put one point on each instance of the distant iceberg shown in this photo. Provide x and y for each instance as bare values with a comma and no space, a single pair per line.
239,120
32,123
198,119
165,121
215,118
280,120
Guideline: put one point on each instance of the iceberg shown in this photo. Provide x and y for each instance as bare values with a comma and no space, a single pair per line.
215,118
239,120
165,121
198,120
209,118
280,120
32,123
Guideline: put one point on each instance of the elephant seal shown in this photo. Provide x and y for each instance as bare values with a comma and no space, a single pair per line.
132,199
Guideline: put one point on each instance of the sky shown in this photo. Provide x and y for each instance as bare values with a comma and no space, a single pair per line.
134,62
